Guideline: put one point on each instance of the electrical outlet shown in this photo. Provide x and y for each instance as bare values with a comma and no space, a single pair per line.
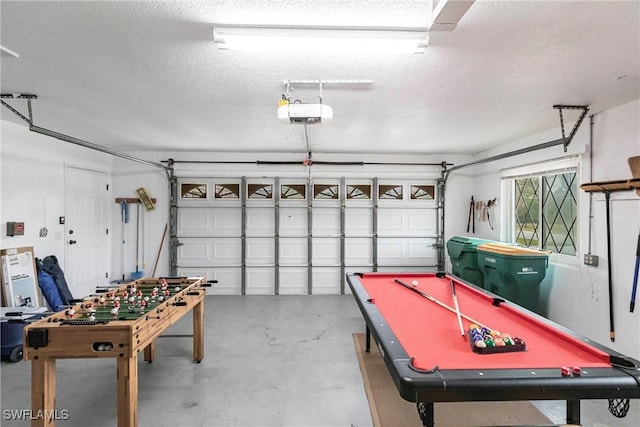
591,260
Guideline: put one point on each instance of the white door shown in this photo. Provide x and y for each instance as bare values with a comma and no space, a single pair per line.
86,235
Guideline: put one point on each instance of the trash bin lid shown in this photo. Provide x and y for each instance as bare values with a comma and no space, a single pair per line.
459,244
504,249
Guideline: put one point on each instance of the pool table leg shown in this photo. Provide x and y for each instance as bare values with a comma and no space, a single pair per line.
425,411
368,340
573,412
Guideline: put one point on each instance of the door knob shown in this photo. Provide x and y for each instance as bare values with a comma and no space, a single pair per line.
72,242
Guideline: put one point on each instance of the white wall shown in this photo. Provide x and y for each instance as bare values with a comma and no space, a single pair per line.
577,295
32,182
127,177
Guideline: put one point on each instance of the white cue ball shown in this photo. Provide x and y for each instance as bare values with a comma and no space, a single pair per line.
100,347
415,283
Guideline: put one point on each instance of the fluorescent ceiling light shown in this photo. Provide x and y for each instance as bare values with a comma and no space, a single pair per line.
321,39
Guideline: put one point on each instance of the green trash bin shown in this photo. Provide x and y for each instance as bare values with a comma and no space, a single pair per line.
513,273
464,260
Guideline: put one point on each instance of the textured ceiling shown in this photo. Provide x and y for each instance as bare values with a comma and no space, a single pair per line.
145,75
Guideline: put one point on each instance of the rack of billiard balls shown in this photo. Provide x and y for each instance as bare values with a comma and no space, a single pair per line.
490,341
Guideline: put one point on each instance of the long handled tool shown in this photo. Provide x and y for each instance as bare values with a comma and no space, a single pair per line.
164,233
137,274
634,289
472,216
124,213
612,331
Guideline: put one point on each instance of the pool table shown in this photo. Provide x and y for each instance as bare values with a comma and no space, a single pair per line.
427,348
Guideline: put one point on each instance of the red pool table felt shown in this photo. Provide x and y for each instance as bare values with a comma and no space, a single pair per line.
431,334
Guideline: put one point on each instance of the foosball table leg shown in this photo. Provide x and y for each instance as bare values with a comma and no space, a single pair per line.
43,391
198,332
128,391
150,352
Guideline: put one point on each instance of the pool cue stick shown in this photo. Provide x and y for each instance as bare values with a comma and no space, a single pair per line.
440,303
612,332
634,289
455,302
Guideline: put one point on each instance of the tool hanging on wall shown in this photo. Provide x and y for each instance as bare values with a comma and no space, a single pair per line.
124,213
481,211
634,287
472,216
149,205
137,274
490,204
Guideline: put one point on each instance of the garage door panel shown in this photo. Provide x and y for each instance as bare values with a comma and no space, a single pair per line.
358,251
260,251
206,252
293,222
411,222
293,281
293,251
260,222
326,251
260,281
406,269
200,222
326,222
229,279
358,222
326,281
422,221
406,251
195,222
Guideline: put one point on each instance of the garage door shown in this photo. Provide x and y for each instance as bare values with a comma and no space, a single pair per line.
279,236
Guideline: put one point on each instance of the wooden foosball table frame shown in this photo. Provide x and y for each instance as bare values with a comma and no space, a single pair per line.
51,338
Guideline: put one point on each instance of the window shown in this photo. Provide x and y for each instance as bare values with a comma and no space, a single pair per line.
545,211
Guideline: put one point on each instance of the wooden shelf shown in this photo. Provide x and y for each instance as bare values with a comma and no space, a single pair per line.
131,200
611,186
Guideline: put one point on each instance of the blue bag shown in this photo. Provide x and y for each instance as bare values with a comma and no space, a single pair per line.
50,290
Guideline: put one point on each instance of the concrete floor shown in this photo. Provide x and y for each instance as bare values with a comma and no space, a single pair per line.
269,361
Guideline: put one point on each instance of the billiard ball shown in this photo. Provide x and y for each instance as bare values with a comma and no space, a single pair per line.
415,283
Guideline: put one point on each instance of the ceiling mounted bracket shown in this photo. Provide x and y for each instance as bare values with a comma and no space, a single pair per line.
287,83
585,110
26,96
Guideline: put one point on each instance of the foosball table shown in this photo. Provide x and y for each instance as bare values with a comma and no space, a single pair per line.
115,322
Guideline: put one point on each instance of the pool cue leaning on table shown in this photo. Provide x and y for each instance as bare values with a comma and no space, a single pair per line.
455,302
440,303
